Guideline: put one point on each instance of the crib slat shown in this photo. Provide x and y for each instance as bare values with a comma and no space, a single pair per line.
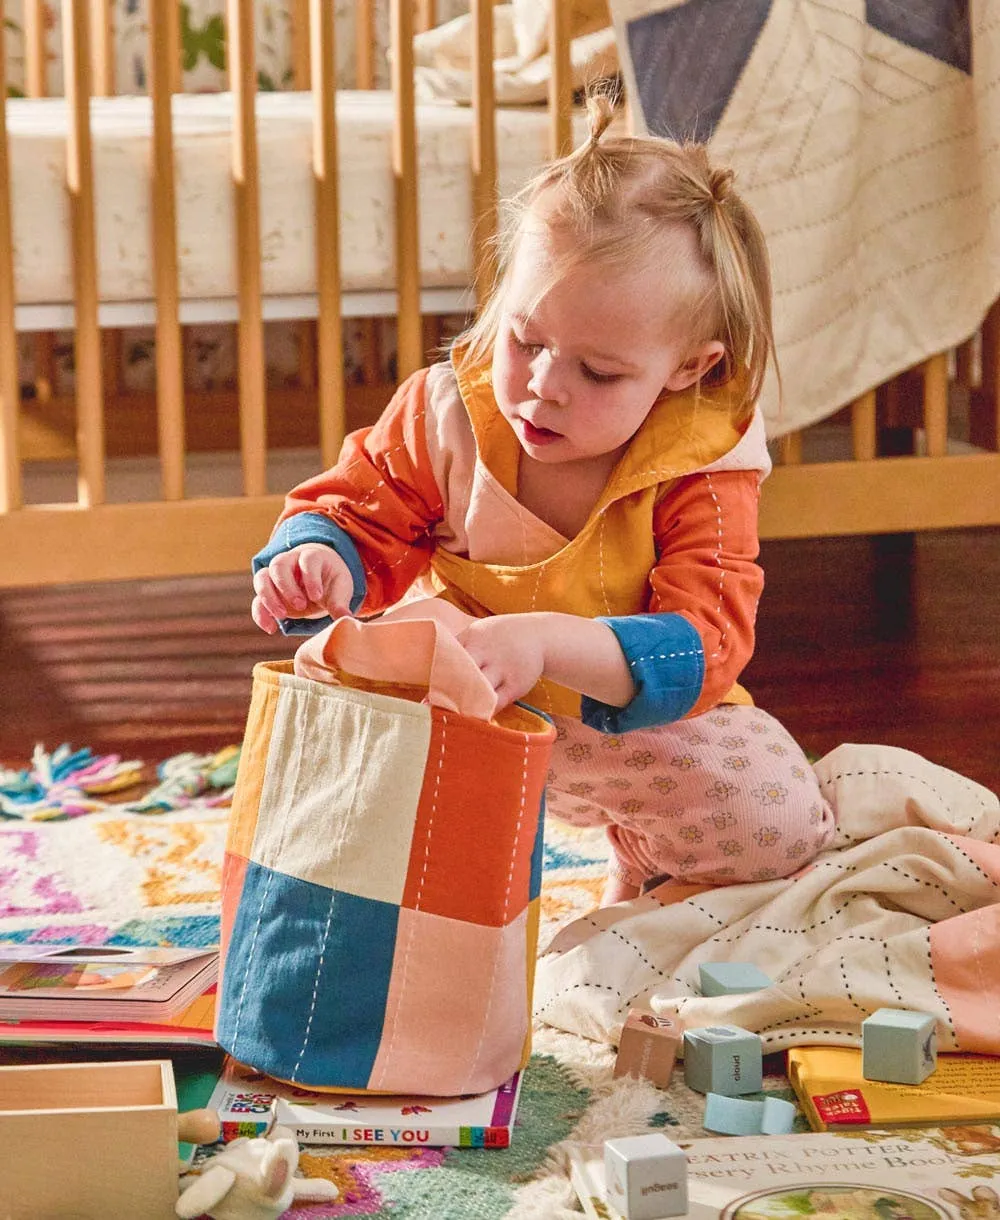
404,168
484,151
103,47
37,85
864,443
299,25
560,83
332,409
984,422
427,15
965,362
172,33
10,396
246,186
934,373
790,449
364,44
80,182
163,56
36,58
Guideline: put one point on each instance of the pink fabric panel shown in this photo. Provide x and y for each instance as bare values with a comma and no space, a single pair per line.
446,1005
963,954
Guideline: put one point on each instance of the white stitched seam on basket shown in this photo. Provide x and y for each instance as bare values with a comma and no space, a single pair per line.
405,961
722,570
506,908
297,696
329,912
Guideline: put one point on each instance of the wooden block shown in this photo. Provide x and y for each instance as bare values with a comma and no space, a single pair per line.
723,1059
731,978
898,1045
646,1176
648,1048
89,1140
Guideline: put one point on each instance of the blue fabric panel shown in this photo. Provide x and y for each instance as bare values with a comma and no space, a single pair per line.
286,936
941,28
314,527
537,854
688,59
667,661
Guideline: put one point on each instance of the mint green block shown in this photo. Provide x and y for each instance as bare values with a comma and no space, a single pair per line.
898,1046
731,978
723,1059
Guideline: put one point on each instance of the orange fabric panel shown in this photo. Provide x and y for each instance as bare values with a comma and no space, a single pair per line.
383,493
706,539
234,870
472,798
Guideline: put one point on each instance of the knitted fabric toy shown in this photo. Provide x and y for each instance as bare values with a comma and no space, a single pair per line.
251,1179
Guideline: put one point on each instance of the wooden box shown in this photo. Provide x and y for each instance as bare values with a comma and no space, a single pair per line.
91,1141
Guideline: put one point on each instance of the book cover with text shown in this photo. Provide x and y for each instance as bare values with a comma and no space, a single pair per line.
833,1093
249,1103
935,1174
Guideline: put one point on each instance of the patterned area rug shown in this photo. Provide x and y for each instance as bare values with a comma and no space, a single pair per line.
118,876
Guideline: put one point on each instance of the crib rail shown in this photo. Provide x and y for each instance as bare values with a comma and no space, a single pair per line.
172,531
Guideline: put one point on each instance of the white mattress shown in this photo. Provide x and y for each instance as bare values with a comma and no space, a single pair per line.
206,232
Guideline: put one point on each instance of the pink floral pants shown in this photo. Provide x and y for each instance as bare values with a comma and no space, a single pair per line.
727,796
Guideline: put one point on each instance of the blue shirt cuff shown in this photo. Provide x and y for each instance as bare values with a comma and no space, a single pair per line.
314,527
667,663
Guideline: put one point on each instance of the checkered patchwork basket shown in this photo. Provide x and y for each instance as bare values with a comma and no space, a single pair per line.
381,888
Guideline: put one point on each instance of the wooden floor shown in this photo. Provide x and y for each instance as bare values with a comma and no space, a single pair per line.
880,640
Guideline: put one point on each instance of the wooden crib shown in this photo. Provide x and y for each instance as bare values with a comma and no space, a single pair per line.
919,453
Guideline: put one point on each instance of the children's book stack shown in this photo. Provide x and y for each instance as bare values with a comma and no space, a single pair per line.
80,994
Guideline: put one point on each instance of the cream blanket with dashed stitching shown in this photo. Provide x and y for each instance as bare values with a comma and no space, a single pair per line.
903,912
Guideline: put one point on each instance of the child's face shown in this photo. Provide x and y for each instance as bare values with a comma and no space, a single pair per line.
576,374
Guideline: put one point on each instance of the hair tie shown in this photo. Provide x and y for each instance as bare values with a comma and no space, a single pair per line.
720,182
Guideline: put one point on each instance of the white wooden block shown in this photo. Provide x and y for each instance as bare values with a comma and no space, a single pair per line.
646,1177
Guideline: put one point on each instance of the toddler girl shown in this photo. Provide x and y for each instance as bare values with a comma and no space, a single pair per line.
582,476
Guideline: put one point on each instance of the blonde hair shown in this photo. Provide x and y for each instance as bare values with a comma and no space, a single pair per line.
598,194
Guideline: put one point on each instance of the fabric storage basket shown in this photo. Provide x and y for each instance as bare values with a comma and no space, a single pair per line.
381,888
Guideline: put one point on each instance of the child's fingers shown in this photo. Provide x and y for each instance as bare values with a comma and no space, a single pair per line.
283,573
263,617
267,594
313,565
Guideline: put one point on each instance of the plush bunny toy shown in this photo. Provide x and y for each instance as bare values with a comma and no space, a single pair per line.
251,1179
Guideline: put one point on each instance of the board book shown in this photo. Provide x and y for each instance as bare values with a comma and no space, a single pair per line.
194,1026
935,1174
833,1093
249,1103
101,983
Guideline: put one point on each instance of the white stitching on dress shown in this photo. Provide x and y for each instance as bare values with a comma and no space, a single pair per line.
722,570
600,551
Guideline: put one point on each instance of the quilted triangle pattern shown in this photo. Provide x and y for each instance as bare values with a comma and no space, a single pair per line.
688,60
940,28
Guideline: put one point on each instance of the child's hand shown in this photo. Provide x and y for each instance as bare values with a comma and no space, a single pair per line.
509,653
306,582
